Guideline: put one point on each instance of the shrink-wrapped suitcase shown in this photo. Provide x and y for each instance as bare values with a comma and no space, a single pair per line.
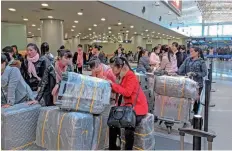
33,147
18,126
150,100
61,130
171,108
176,86
83,93
144,138
100,136
143,80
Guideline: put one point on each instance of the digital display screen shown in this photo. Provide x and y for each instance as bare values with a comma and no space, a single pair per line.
177,4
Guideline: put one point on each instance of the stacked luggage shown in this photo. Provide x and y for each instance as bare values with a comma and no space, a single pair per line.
173,98
18,126
148,91
79,121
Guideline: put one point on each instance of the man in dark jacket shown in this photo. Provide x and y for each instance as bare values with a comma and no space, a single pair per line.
181,55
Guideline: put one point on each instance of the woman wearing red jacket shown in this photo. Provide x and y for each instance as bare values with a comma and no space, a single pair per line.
128,89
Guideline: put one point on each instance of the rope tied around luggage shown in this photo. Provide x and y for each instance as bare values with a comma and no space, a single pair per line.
123,141
94,96
81,92
59,131
42,135
99,133
21,147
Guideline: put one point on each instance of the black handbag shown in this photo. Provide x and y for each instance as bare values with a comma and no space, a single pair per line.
123,116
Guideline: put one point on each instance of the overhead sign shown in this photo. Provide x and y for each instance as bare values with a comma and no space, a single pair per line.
175,5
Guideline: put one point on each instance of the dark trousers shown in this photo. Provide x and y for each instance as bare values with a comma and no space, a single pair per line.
197,102
129,136
80,70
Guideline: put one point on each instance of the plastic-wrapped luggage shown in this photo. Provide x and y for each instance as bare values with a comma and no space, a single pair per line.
180,87
33,147
83,93
143,81
150,100
144,138
18,126
175,109
61,130
100,130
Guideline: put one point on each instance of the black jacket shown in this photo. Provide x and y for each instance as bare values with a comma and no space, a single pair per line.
40,67
180,57
75,58
47,84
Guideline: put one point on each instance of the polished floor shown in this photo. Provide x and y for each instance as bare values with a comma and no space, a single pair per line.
220,116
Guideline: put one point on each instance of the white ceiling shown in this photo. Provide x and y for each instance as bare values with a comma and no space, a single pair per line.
93,11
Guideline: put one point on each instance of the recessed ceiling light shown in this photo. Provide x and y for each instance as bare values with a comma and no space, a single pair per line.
147,35
163,34
50,17
90,29
38,29
127,31
110,32
72,29
131,26
33,25
146,30
80,13
79,33
95,25
141,33
74,26
32,35
12,9
135,32
158,33
93,32
44,5
104,34
75,21
109,28
29,32
25,19
119,23
153,32
103,19
119,33
156,36
90,34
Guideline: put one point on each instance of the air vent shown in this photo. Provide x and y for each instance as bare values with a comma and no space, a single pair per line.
46,9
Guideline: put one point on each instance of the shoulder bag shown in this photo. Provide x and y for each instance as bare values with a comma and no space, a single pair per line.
123,116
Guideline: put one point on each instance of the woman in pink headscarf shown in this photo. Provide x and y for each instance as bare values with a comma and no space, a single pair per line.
34,66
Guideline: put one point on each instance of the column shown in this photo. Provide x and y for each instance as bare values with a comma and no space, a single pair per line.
14,34
138,41
75,42
52,32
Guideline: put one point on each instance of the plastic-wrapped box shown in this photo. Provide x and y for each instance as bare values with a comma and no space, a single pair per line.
150,100
144,138
171,108
176,86
83,93
18,126
143,80
100,136
61,130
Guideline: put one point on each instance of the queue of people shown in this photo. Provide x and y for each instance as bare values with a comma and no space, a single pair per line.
41,73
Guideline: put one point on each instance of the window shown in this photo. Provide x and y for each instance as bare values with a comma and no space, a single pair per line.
227,30
206,31
213,30
195,31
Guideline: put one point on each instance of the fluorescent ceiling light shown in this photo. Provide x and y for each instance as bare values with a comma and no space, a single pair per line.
44,5
103,19
109,28
119,23
90,29
95,25
74,26
127,31
131,26
33,25
72,29
50,17
75,21
146,30
119,33
80,13
38,29
12,9
25,19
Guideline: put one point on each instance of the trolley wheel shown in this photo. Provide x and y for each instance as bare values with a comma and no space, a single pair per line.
160,122
169,129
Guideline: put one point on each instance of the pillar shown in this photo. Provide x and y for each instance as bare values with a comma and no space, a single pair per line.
75,42
13,34
138,41
52,32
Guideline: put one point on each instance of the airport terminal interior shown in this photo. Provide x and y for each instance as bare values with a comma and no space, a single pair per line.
116,75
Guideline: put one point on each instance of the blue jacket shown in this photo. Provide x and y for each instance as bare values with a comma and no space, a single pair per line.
15,89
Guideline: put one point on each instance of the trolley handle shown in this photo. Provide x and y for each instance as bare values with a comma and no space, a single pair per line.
198,133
